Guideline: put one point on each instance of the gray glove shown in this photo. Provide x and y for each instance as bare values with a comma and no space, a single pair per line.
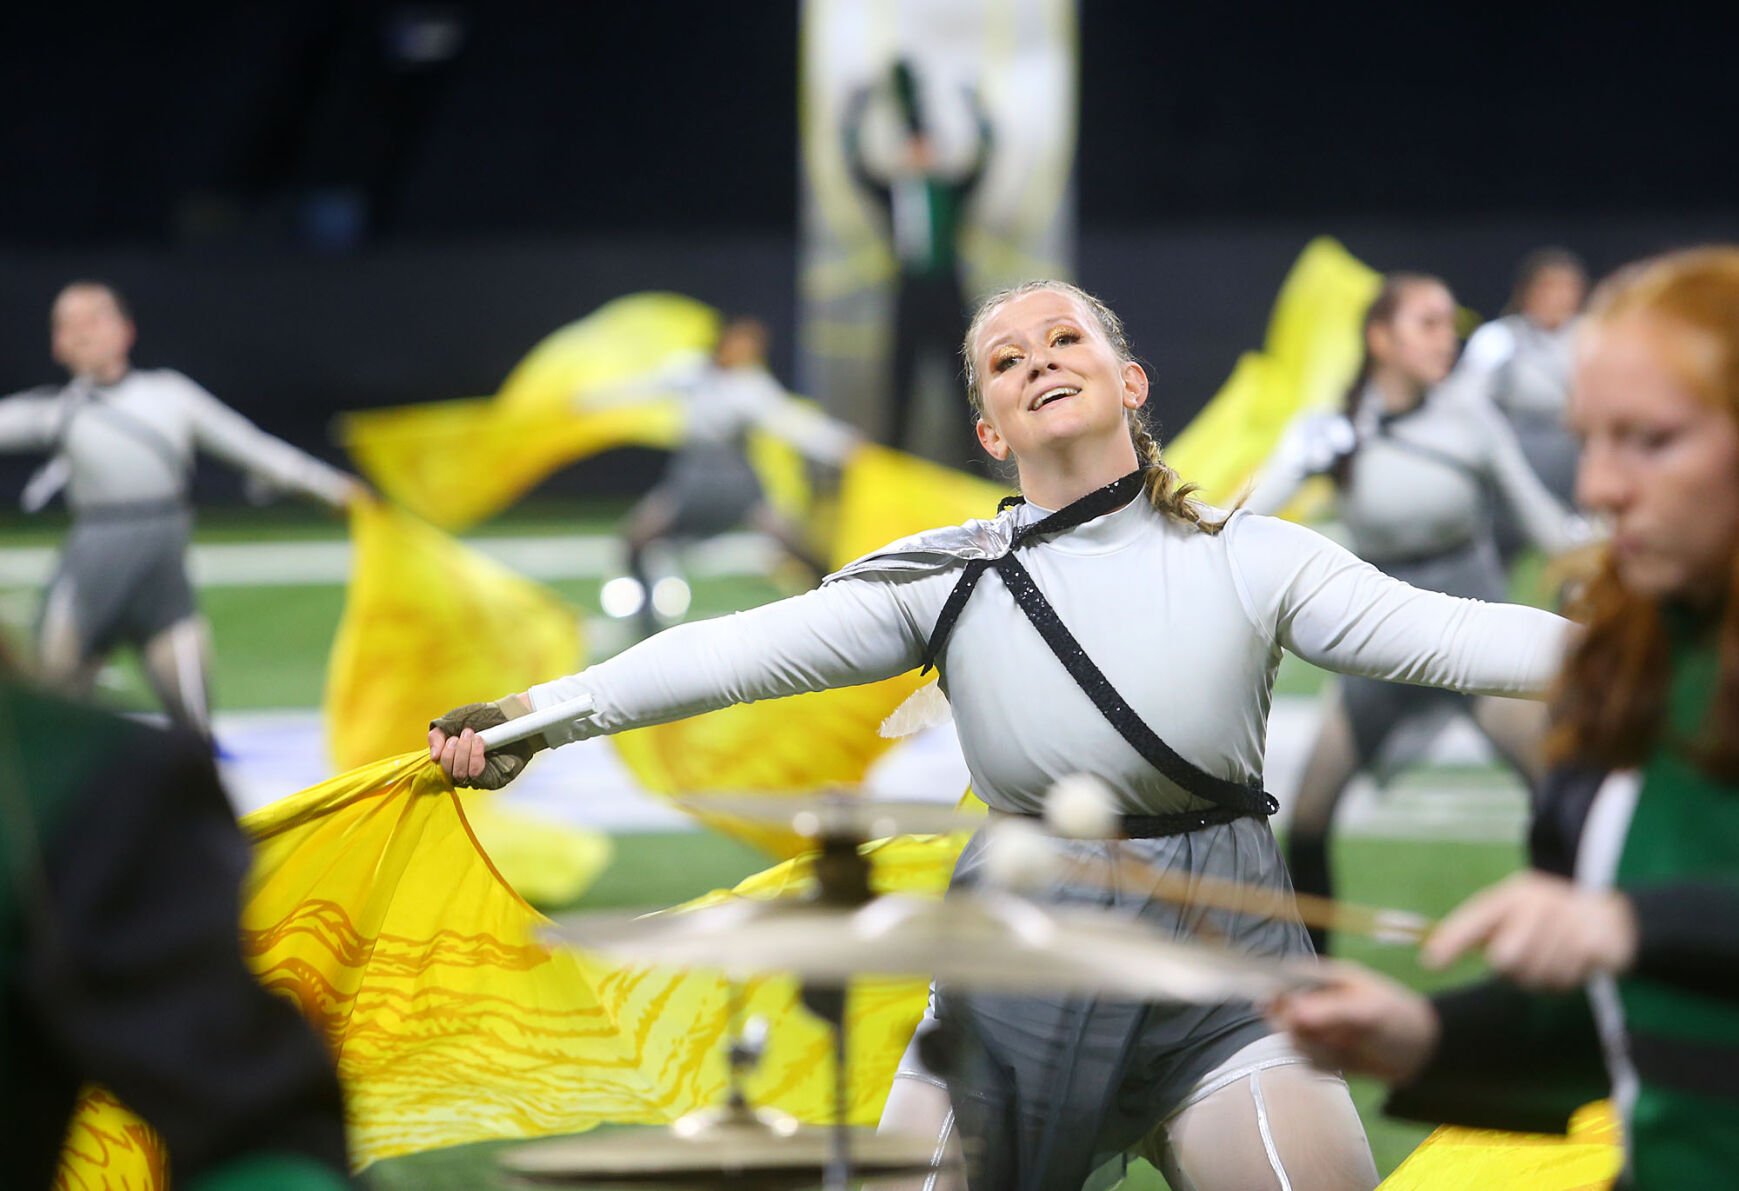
502,763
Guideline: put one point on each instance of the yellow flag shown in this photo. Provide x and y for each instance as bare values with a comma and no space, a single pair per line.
430,624
1456,1159
1310,355
457,462
373,908
827,738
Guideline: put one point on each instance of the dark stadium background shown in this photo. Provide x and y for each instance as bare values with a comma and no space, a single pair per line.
323,206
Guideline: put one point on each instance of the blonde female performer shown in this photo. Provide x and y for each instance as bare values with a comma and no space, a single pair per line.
1109,578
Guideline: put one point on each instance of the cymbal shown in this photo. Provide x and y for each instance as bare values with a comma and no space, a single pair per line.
848,815
985,942
766,1151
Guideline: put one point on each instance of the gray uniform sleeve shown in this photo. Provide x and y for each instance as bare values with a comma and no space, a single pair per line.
1548,524
226,434
28,422
846,633
1310,447
1337,611
767,406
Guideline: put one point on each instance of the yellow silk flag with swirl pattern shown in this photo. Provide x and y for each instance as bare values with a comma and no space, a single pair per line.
373,908
826,738
431,624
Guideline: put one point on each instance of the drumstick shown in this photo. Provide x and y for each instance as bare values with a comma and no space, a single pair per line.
1400,927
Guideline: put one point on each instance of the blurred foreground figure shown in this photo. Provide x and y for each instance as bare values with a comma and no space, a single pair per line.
120,960
710,486
1521,364
122,442
1413,475
1106,601
1618,954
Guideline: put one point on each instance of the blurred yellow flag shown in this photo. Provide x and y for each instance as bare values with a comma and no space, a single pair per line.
457,462
430,624
373,908
1310,355
1456,1159
829,737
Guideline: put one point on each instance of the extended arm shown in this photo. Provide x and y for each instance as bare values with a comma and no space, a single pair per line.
851,136
845,633
1336,611
799,423
28,421
1310,447
225,433
1547,523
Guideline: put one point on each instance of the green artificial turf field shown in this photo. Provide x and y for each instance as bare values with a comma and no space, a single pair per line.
271,646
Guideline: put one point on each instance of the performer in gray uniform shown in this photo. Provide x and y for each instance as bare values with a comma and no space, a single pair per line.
1183,612
122,442
710,486
1413,471
1521,364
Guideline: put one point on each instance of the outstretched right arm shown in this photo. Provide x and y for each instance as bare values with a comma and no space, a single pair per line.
846,633
27,420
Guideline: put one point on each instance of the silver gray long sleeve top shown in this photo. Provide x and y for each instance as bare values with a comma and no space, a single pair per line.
1419,481
134,441
720,405
1521,368
1188,626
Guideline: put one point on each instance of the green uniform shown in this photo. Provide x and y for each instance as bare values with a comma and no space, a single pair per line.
1663,1039
120,961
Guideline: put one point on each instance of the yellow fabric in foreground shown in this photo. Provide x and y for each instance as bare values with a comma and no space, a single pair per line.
1454,1159
372,906
829,737
430,624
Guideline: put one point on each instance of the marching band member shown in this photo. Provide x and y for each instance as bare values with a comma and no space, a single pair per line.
1130,632
1412,471
1616,957
122,441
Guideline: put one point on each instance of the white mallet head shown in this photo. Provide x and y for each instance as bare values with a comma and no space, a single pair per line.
1080,806
1018,855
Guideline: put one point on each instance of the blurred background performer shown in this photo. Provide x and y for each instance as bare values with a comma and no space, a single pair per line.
1149,584
1521,364
1617,957
120,960
924,208
709,486
122,442
1412,472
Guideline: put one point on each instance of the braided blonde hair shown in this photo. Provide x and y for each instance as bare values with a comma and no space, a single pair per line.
1165,489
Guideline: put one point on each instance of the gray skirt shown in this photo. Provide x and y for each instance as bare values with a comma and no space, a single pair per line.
712,488
1046,1089
125,573
1376,709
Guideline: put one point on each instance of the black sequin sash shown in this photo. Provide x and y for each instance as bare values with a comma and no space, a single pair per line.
1232,800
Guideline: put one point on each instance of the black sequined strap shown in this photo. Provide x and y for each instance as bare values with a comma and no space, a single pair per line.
1235,797
1174,823
1097,503
951,611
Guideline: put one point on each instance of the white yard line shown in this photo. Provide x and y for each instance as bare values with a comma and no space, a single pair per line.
295,564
